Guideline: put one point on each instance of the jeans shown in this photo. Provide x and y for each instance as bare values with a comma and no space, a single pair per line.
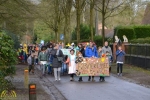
57,73
50,67
119,67
63,68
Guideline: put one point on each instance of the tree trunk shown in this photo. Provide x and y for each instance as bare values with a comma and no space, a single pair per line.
91,17
103,21
78,20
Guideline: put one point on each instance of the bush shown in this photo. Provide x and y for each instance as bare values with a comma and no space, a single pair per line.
141,40
142,31
133,32
8,59
13,37
85,33
98,40
127,31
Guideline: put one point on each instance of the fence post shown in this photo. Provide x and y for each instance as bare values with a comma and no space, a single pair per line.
130,52
145,55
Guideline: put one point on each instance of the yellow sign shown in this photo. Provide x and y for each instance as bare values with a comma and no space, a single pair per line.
8,94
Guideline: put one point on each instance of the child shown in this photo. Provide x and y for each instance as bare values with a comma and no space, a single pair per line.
43,58
30,61
72,65
120,60
79,59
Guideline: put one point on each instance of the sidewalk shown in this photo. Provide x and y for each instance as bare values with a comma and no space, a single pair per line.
45,90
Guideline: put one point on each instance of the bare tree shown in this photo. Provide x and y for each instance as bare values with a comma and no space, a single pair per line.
110,8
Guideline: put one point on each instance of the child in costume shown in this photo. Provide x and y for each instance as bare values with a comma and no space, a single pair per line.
72,65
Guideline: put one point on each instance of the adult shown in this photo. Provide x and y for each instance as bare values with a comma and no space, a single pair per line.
91,51
49,49
56,64
106,48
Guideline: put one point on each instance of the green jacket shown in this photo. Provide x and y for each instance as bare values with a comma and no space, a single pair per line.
43,56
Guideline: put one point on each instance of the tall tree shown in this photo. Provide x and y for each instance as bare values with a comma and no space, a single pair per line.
50,13
92,3
79,6
66,7
110,8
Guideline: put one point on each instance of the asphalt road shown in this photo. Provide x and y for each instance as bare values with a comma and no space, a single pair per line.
112,89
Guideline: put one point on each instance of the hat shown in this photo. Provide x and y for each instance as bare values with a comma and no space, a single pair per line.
72,43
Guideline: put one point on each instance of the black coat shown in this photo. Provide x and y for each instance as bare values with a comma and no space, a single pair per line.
55,62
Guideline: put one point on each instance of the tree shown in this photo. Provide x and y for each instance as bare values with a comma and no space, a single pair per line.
66,7
79,5
110,8
92,2
50,13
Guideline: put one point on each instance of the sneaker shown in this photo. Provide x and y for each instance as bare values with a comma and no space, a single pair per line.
80,80
93,80
120,74
89,79
59,79
71,79
55,79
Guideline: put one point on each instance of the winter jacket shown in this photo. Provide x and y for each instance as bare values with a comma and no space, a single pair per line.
55,62
89,52
105,49
43,56
120,56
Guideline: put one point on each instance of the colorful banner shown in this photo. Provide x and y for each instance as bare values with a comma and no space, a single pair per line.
93,67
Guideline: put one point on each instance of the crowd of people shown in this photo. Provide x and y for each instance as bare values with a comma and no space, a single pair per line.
52,60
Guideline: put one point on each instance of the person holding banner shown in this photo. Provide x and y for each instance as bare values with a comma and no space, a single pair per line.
91,51
100,54
72,65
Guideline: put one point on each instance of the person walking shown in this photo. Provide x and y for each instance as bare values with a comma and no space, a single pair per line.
91,51
57,63
72,65
100,53
106,48
120,60
30,61
43,58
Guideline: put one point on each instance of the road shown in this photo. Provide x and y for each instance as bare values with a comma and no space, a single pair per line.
112,89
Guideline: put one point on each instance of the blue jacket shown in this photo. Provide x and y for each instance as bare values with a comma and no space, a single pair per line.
89,52
120,55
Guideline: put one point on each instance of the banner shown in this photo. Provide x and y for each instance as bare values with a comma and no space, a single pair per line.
67,51
93,67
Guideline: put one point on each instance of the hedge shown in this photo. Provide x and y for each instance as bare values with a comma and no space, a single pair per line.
132,32
142,31
141,40
128,32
